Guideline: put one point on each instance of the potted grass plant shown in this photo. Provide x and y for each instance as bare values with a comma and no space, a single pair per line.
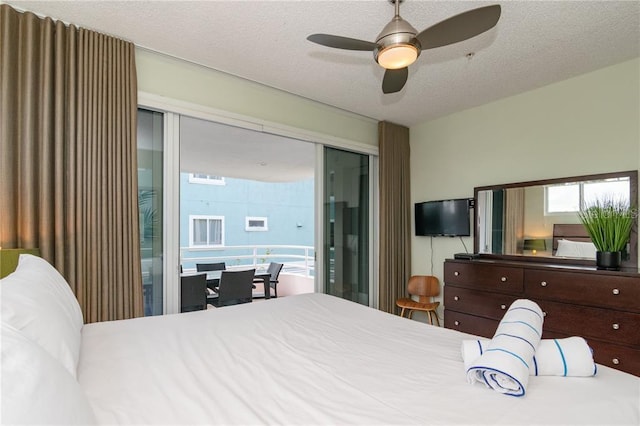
608,222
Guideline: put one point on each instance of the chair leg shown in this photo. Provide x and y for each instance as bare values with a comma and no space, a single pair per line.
429,317
434,313
402,312
410,313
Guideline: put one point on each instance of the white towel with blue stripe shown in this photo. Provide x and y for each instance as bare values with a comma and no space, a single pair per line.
570,357
504,365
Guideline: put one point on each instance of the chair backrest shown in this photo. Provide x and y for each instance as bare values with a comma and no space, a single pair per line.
193,292
203,267
274,269
235,287
424,286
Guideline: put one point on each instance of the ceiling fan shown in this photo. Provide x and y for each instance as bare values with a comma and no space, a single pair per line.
399,44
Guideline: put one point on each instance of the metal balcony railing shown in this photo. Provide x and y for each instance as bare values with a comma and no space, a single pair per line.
296,259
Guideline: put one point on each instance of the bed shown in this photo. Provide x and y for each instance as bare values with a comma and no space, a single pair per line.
306,359
572,240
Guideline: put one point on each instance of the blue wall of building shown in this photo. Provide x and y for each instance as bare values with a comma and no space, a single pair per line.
287,206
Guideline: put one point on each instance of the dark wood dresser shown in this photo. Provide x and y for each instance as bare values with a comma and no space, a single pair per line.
601,306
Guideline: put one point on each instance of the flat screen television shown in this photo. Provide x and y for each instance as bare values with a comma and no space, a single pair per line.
449,218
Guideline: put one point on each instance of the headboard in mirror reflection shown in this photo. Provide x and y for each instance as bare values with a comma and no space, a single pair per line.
507,215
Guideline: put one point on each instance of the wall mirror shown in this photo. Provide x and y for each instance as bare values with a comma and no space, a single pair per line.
529,219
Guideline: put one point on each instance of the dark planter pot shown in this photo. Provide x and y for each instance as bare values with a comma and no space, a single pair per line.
609,260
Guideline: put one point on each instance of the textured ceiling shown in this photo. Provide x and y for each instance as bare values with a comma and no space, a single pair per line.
218,149
534,43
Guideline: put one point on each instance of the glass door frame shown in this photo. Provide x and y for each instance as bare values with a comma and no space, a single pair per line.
373,249
172,109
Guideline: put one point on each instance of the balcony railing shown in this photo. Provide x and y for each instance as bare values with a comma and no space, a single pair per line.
296,259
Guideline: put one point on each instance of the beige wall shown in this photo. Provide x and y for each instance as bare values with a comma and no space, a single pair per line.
584,125
173,78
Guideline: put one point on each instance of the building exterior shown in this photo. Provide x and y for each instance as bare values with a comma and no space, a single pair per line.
217,213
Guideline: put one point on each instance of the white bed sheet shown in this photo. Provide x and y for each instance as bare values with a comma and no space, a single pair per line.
317,359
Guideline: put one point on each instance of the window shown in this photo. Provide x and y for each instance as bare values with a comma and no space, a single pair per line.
256,224
562,199
206,179
571,197
206,231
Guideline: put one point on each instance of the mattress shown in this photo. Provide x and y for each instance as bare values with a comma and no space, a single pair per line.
317,359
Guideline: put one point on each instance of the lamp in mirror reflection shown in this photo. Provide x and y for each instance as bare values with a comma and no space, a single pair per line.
535,244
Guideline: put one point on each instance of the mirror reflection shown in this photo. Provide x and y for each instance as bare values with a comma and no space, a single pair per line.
540,218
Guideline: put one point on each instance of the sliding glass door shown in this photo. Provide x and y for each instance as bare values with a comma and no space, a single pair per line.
340,264
346,225
150,195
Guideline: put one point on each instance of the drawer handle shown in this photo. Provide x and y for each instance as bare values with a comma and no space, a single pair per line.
456,273
456,323
544,314
456,298
503,279
616,326
503,307
616,291
543,283
615,361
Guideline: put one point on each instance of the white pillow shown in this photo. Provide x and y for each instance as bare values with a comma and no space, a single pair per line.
567,248
38,302
36,389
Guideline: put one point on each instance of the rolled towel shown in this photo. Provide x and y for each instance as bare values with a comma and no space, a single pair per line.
570,356
504,365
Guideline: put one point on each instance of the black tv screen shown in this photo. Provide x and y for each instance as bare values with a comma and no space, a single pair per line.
443,218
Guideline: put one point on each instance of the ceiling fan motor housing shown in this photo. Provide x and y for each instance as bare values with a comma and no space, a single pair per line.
397,34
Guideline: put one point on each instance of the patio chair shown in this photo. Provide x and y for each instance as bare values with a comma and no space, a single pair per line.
193,293
274,269
235,287
204,267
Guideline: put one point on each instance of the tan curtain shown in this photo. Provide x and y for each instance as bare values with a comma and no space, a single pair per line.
68,171
395,214
514,220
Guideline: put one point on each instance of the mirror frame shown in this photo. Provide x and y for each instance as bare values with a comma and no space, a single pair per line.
631,262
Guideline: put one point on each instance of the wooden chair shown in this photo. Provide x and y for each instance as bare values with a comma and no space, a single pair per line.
426,287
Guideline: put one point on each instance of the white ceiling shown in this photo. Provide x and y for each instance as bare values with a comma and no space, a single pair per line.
534,43
222,150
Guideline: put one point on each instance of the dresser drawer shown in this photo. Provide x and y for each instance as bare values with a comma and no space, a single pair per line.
602,324
470,323
585,289
477,302
483,276
615,356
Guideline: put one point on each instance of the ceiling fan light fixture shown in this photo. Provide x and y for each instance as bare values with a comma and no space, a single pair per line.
397,56
398,46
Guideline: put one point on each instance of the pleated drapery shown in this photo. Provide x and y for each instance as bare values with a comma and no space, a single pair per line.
68,170
514,221
395,214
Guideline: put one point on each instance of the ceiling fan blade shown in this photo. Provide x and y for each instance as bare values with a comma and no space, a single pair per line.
341,42
394,80
460,27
